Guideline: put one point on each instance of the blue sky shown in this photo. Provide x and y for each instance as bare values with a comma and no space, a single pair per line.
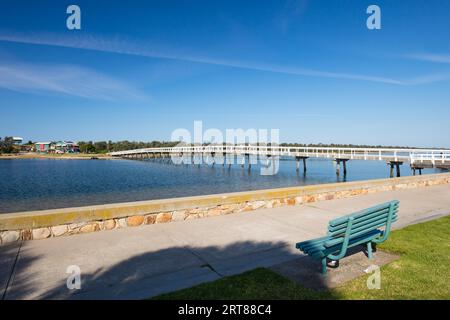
137,70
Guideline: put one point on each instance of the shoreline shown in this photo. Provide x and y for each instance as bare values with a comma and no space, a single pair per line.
82,156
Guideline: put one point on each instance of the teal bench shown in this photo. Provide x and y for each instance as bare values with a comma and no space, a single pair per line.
367,227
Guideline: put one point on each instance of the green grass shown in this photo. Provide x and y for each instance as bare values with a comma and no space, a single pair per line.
422,272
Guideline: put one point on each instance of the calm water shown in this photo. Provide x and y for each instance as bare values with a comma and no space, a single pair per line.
33,184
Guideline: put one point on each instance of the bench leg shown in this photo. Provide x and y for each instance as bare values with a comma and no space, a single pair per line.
369,250
324,266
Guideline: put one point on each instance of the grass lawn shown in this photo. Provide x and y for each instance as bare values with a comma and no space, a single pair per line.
422,272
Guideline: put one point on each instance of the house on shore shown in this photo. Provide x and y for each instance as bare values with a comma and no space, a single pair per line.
57,147
42,147
66,147
17,140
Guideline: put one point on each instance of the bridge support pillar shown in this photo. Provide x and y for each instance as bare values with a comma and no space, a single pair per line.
395,164
414,168
338,165
298,163
213,157
248,161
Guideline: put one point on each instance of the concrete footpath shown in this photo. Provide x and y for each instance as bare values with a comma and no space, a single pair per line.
141,262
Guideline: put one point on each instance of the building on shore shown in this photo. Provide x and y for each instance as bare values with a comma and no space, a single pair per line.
42,147
66,147
17,140
57,147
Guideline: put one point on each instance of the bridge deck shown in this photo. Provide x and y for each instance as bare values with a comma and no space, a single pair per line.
426,157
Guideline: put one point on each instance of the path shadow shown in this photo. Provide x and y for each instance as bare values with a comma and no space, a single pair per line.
153,273
8,261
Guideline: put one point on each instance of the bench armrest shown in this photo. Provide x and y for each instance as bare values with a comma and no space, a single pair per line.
344,243
387,230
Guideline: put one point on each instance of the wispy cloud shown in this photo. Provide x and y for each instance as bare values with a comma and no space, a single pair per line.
291,11
66,80
438,58
431,78
121,46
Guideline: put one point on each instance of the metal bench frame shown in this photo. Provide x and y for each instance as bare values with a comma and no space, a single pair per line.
359,228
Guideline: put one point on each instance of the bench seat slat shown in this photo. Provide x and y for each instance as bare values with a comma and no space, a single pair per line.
305,244
337,242
353,242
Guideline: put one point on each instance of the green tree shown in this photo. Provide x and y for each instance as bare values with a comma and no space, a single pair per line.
7,145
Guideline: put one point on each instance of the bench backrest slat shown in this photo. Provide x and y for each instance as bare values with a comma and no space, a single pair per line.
374,217
363,213
363,221
380,219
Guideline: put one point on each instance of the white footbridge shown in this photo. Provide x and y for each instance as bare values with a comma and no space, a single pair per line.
417,158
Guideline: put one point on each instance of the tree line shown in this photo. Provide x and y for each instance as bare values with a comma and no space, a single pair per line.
110,146
7,145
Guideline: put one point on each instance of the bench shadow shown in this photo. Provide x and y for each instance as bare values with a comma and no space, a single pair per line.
354,265
162,271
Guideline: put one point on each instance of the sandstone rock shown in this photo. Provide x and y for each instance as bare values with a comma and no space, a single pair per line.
179,215
150,219
324,196
41,233
268,204
276,203
227,209
298,200
213,212
26,234
122,223
109,224
9,236
91,227
135,221
192,216
290,201
310,198
75,227
257,204
59,230
193,211
163,217
355,192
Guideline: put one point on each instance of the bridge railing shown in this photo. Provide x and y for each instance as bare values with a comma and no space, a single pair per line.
411,155
434,157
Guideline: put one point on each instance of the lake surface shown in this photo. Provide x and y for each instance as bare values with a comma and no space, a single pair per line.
35,184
